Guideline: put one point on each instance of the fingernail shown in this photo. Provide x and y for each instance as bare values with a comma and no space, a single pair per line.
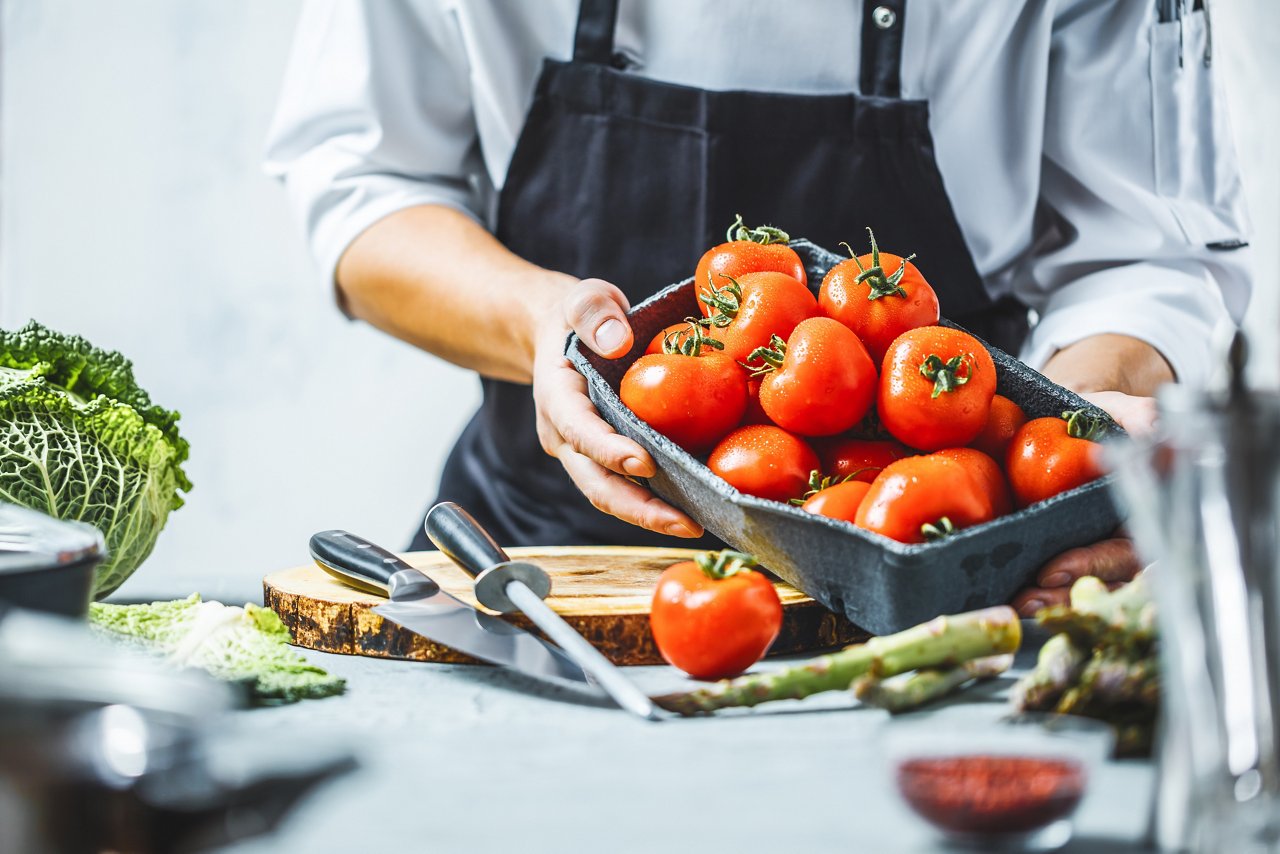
635,467
1033,605
610,335
1056,579
680,529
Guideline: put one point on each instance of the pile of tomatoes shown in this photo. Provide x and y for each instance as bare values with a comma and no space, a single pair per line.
855,404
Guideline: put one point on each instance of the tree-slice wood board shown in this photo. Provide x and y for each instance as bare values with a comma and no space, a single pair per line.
602,591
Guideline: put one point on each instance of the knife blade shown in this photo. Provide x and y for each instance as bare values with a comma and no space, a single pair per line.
506,586
418,604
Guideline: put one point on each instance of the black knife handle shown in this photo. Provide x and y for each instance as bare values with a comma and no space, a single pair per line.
359,563
459,536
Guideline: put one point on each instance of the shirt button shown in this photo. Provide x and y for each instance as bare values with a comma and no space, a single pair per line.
884,17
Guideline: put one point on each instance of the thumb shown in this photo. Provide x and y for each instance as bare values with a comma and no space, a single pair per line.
597,311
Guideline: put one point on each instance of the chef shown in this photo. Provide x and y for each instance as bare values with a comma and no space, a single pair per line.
480,177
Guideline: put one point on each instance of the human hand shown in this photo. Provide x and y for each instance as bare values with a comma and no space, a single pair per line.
1114,561
597,458
1137,415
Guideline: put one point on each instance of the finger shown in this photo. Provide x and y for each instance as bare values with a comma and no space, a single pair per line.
1032,599
1137,415
1110,560
613,494
566,416
597,311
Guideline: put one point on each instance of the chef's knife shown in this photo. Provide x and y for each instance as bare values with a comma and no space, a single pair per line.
506,586
417,603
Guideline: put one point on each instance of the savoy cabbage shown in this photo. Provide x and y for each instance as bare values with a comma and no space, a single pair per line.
80,440
248,645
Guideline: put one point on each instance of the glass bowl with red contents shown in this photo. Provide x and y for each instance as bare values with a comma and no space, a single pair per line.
1010,785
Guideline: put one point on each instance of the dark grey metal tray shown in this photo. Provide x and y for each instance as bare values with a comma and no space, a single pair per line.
882,585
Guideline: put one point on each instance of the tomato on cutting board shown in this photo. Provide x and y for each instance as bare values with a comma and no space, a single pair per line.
750,309
714,616
936,387
747,250
859,459
765,461
879,296
819,382
918,499
1051,455
1003,421
692,398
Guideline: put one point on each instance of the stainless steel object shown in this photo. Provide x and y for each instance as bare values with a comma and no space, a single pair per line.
421,606
506,585
1204,502
47,564
102,749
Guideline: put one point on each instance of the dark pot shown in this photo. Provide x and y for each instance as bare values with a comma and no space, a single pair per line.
47,564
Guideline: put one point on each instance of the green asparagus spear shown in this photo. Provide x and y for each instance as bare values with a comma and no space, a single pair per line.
1134,740
1111,685
1102,663
1097,617
925,686
1057,666
945,641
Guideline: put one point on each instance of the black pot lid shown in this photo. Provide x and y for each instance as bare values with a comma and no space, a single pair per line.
32,540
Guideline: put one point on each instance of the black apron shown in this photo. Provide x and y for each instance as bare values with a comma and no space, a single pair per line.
631,180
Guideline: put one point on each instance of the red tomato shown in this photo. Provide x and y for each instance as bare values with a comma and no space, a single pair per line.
748,250
860,458
839,501
687,337
936,388
713,616
753,308
879,296
1005,419
923,498
989,473
820,382
755,412
1051,455
692,401
764,461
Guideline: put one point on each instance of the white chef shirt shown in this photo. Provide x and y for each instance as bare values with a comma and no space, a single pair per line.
1084,144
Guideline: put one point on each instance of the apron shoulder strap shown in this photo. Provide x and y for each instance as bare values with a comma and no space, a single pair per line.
593,39
883,22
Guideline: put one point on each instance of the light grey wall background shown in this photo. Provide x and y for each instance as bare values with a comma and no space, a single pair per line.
132,211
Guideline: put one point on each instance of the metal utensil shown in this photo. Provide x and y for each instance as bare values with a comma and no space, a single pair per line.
47,564
103,748
506,586
421,606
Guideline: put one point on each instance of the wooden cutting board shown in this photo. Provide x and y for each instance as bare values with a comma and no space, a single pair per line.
602,591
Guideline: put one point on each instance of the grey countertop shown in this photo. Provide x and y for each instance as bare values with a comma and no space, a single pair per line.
458,758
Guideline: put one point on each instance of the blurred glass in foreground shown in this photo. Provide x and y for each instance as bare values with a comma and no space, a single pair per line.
1204,502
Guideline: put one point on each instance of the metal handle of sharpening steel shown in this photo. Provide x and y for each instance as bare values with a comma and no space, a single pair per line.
586,656
506,585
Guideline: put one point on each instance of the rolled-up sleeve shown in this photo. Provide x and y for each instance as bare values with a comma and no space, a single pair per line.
374,116
1143,228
